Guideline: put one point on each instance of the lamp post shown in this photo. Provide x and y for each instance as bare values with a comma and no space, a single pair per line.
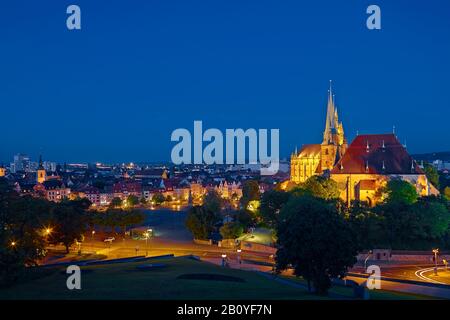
224,256
146,243
239,257
435,251
367,258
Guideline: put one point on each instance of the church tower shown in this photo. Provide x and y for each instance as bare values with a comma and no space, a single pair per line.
334,143
41,174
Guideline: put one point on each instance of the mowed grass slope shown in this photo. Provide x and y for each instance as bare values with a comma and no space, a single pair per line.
125,281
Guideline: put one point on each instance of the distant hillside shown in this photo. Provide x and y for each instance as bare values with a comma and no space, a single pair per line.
444,156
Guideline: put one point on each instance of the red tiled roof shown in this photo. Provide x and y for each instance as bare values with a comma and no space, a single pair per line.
360,159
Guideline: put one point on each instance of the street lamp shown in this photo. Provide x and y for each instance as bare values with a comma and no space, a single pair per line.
435,251
48,231
146,234
224,256
92,234
239,256
13,244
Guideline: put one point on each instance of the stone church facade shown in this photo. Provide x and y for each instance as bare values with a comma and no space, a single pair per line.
360,169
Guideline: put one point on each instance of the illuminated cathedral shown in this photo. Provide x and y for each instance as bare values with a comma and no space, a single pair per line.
316,159
362,168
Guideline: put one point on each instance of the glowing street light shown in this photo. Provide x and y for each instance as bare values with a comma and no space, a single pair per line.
239,256
48,231
435,251
224,256
13,244
147,235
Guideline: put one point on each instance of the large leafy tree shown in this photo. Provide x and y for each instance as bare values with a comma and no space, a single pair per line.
132,200
447,193
398,190
272,202
231,230
432,174
319,187
158,198
250,192
315,240
70,219
115,202
366,224
201,222
212,201
22,241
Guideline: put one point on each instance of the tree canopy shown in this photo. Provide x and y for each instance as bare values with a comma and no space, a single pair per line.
319,187
398,190
201,221
315,240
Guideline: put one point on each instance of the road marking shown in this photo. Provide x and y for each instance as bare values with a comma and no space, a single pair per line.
419,274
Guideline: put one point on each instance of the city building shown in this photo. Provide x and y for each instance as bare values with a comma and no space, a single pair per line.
372,160
53,190
362,168
41,174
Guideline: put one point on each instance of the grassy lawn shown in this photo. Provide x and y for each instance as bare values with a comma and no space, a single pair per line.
125,281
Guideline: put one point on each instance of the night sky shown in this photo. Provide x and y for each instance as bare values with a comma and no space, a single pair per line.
115,90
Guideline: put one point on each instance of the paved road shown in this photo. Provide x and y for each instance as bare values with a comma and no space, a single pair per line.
415,272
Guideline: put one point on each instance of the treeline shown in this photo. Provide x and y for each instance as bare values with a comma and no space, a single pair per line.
112,219
219,215
403,221
28,225
319,236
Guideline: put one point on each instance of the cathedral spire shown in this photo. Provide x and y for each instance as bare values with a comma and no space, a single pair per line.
331,111
40,162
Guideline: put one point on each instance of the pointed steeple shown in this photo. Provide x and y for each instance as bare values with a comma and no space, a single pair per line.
41,166
329,122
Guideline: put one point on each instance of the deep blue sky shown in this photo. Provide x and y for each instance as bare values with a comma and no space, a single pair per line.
137,70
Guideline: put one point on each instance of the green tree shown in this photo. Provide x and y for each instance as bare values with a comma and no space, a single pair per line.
127,218
212,201
319,187
250,192
315,240
432,174
231,230
201,222
143,201
398,190
116,202
447,193
22,241
244,218
132,200
367,226
70,220
158,198
272,202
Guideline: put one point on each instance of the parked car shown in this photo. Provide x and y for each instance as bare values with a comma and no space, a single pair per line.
109,239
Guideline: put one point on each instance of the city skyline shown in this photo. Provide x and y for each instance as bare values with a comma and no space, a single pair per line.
115,96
